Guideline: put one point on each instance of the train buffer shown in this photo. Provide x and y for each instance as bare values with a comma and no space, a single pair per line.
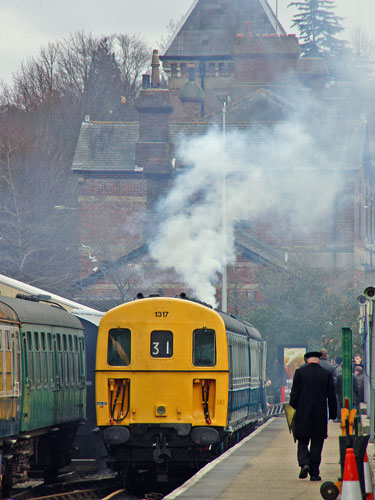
262,466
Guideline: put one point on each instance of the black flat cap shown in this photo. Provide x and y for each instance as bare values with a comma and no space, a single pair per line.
313,354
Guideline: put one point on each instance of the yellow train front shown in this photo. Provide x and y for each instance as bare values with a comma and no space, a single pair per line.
177,383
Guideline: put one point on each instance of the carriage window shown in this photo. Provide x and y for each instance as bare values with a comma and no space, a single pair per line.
7,335
36,341
37,373
29,341
43,339
161,344
49,337
119,347
204,347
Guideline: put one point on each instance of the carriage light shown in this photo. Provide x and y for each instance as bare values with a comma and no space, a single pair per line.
160,411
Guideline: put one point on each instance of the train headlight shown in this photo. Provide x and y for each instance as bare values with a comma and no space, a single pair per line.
116,435
362,299
205,436
370,292
160,411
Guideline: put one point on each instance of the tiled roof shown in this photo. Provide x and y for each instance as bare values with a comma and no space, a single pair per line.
254,249
106,146
111,147
259,251
332,145
248,109
211,25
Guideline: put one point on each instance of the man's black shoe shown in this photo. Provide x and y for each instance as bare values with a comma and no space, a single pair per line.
304,472
315,478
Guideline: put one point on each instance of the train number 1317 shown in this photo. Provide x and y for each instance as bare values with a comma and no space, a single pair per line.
161,314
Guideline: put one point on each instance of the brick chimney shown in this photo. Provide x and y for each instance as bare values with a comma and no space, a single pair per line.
155,70
154,108
152,149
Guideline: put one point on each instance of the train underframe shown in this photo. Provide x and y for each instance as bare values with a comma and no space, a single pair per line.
166,453
46,450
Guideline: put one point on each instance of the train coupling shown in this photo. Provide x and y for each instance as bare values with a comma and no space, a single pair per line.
161,451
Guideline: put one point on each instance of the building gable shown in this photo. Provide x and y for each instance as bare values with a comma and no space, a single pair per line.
210,26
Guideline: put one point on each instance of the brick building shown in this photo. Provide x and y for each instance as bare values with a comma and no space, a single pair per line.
230,66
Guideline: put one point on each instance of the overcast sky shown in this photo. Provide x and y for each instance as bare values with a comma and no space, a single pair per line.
27,25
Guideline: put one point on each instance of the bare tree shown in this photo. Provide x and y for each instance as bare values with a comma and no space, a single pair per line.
75,59
171,29
363,44
133,57
40,119
33,242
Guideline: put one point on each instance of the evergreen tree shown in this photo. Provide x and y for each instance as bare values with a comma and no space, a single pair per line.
318,27
104,84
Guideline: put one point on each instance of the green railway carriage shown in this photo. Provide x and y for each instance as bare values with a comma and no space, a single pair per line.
42,386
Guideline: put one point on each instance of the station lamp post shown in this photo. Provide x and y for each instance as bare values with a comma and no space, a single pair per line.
224,283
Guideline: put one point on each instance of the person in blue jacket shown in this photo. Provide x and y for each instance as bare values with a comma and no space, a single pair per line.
312,388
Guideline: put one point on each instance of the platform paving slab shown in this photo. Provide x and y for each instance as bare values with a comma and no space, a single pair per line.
262,467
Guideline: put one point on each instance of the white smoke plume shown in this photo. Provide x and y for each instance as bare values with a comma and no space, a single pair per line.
273,168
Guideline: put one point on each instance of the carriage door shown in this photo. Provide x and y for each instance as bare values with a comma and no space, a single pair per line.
58,397
13,364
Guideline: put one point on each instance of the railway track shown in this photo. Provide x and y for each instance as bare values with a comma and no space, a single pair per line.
101,489
76,490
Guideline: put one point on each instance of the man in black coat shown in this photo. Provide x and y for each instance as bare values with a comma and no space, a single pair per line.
312,387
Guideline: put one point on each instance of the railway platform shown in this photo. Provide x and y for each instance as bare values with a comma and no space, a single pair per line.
262,466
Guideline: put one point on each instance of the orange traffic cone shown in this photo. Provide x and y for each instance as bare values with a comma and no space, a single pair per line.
368,480
351,489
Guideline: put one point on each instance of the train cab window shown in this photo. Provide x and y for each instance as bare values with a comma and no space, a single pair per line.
204,347
119,347
161,344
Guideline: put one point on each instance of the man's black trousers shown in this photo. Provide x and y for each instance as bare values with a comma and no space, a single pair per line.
310,457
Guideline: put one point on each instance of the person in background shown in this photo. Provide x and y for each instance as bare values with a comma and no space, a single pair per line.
267,386
357,361
325,363
313,387
358,372
338,376
356,386
338,368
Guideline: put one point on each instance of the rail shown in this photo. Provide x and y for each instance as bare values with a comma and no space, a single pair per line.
76,490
